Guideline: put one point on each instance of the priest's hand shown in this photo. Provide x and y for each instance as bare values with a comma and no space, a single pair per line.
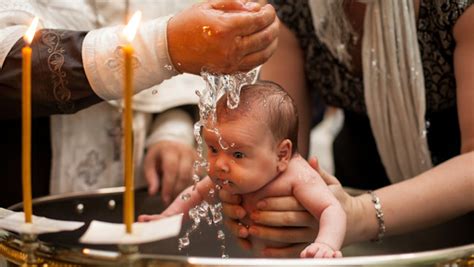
222,36
169,168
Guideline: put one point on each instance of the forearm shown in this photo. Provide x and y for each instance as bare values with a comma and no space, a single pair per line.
442,193
59,83
332,226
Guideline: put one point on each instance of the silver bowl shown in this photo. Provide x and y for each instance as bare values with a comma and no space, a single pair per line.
449,244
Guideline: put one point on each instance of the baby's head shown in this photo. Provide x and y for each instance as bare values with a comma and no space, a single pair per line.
266,103
260,137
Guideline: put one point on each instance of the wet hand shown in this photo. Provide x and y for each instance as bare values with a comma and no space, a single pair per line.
222,36
172,162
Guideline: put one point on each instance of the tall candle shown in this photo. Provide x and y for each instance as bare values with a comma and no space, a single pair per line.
129,205
26,121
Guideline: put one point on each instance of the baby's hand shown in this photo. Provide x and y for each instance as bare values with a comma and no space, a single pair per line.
320,250
148,218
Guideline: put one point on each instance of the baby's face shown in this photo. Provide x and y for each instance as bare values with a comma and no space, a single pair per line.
249,161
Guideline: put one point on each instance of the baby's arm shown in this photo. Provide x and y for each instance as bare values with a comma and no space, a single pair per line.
316,197
180,205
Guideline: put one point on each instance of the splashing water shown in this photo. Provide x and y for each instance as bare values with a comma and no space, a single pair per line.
209,213
216,86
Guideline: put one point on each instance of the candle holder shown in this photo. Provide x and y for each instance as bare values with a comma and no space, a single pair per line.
29,246
129,254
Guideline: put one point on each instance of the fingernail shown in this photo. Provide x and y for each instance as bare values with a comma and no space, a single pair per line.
261,204
252,6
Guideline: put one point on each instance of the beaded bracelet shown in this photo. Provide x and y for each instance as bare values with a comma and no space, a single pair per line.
379,215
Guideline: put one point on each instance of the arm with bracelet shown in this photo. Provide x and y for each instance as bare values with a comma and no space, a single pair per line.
419,198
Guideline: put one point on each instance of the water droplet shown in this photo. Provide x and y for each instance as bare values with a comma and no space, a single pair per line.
185,196
111,204
427,124
168,67
196,178
225,182
183,242
220,235
218,187
154,92
80,208
211,193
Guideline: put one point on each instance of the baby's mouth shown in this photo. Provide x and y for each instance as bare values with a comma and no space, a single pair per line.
223,182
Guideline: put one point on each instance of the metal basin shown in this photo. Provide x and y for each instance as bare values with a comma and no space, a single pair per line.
450,243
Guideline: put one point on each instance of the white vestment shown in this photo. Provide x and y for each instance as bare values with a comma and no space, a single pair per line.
87,145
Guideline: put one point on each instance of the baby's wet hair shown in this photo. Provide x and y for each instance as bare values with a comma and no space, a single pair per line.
266,102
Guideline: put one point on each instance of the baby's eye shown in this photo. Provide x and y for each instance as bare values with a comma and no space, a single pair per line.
239,155
212,149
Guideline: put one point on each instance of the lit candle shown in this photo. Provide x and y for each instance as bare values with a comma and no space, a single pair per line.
129,33
26,121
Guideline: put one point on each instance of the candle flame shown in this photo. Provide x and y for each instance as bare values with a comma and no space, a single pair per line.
131,29
30,33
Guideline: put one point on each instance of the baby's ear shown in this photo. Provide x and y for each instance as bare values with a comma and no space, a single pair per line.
284,154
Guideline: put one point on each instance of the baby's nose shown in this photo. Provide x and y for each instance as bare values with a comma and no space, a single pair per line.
222,164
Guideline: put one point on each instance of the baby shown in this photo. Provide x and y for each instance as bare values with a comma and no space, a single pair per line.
260,138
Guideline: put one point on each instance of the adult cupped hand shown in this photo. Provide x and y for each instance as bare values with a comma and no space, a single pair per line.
222,36
282,219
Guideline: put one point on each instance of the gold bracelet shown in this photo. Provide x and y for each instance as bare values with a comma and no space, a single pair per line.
379,216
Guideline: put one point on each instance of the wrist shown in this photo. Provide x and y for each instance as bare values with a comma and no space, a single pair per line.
173,125
103,62
362,219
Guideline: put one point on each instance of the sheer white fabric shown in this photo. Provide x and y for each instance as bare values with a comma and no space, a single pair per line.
393,78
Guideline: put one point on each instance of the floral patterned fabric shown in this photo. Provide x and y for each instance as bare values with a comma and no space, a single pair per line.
339,87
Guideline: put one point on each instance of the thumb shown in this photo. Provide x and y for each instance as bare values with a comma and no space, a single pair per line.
328,178
314,163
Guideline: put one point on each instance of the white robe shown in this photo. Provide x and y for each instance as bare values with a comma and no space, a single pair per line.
84,144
